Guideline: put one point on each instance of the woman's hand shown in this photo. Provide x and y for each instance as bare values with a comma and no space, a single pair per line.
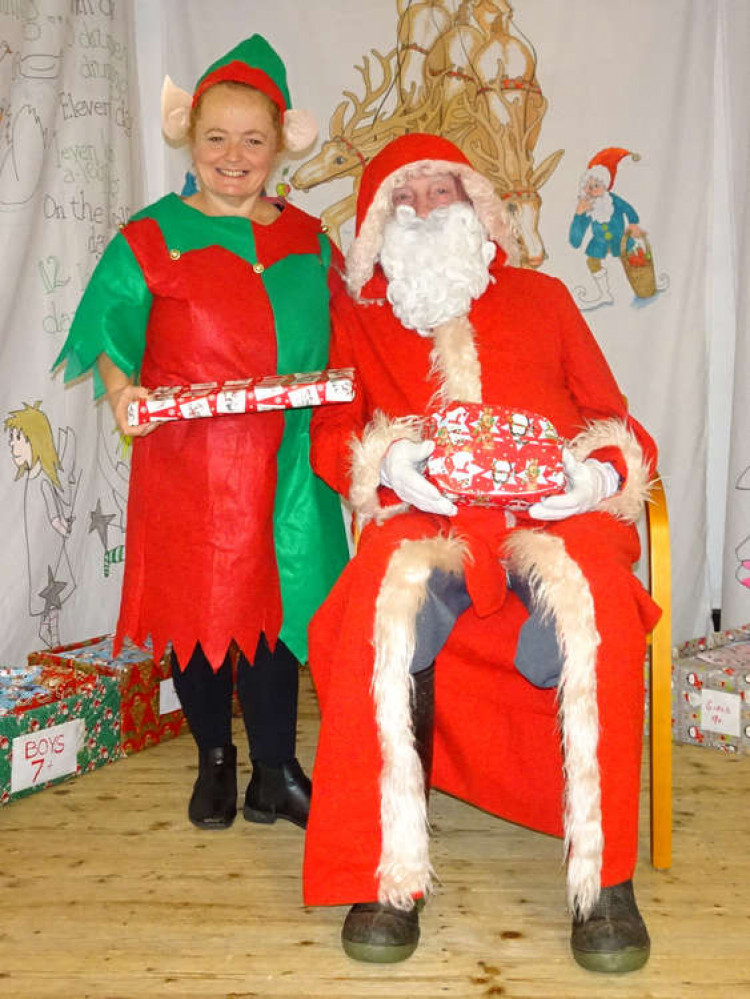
120,393
119,400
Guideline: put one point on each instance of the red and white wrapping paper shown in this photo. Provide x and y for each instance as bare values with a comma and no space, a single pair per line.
494,456
250,395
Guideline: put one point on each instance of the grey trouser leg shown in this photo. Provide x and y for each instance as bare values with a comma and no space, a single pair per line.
538,656
447,599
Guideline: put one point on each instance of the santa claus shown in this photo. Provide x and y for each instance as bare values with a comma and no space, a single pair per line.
417,653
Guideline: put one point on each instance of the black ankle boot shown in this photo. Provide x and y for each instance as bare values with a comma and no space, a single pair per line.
614,937
380,934
278,793
213,804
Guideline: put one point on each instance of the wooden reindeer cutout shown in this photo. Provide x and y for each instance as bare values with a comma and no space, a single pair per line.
458,70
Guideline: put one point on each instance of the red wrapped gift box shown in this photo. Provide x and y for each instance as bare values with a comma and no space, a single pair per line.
149,711
494,456
250,395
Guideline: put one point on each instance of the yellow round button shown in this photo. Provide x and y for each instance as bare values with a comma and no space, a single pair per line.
175,254
258,268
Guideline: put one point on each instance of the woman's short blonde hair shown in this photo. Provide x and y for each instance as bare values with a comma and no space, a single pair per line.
236,85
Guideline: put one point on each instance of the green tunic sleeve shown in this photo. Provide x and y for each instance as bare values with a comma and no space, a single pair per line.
111,317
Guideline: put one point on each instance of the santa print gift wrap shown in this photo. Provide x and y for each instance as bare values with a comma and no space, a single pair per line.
229,532
246,395
494,456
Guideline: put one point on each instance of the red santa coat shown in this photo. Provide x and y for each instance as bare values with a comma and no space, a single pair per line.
498,739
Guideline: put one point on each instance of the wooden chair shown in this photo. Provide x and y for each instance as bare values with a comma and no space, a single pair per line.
660,680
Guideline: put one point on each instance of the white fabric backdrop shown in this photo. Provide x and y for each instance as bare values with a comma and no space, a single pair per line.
736,590
68,143
614,75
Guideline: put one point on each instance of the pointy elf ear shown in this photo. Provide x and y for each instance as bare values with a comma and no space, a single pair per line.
300,130
175,112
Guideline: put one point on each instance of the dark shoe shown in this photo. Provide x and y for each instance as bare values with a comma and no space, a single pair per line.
278,793
214,801
614,937
380,934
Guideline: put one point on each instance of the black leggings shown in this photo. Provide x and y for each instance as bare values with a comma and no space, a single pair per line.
267,692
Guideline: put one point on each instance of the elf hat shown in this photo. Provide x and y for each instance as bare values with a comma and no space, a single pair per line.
255,63
609,160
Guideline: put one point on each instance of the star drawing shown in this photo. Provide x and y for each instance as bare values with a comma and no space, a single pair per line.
100,522
51,592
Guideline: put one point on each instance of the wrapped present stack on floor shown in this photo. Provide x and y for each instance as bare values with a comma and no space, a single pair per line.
55,722
711,691
251,395
149,710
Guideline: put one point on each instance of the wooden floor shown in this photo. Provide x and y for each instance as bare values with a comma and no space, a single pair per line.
109,893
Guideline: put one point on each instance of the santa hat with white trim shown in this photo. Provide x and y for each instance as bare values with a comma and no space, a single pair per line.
419,154
255,63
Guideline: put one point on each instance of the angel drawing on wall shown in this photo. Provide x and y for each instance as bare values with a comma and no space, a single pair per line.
51,480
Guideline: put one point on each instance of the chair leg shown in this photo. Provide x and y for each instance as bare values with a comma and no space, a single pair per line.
660,687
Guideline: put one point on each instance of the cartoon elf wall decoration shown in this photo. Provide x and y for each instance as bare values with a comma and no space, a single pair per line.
614,232
50,487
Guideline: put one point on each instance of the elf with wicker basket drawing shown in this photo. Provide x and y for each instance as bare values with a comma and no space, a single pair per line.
614,230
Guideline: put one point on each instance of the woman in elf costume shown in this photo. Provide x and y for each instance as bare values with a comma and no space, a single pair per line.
232,541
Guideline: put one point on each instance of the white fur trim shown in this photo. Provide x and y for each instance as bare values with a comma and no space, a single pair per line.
300,130
175,112
627,504
561,590
366,455
491,210
455,360
404,869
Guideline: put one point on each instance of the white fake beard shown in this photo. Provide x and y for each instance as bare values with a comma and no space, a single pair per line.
435,266
603,208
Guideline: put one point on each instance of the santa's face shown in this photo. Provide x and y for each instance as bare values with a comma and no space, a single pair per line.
436,265
501,471
519,424
425,194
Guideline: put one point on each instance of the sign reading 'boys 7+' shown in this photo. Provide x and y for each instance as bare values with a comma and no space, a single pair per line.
38,757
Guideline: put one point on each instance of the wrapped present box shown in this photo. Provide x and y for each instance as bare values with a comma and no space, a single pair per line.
149,710
494,456
251,395
25,688
711,692
45,742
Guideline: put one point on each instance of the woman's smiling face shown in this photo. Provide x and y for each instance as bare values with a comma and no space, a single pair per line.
235,144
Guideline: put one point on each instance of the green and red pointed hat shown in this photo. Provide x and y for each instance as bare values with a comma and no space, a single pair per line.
253,62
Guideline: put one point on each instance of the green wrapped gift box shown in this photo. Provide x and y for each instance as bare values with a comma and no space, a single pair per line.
55,742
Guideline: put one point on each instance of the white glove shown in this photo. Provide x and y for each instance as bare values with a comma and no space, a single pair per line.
401,471
589,482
